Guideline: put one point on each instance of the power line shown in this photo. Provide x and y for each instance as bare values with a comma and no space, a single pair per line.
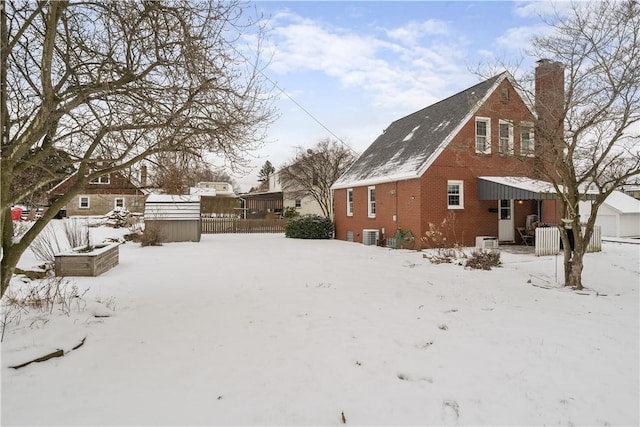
307,112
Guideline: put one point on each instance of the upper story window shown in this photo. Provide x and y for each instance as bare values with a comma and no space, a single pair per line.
505,94
349,201
483,135
506,137
104,179
455,194
526,139
371,202
298,203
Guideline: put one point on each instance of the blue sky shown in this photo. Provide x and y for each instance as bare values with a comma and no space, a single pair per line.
358,66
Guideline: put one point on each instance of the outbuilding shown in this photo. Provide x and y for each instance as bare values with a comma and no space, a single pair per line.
176,216
618,216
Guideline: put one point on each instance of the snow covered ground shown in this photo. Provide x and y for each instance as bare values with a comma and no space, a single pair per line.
264,330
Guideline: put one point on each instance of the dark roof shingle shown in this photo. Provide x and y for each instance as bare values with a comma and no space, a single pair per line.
407,144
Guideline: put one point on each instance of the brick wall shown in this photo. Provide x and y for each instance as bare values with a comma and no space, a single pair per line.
413,204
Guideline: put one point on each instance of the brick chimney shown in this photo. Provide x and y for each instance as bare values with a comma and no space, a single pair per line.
143,176
549,106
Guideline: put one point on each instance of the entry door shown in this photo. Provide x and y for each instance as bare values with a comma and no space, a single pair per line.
505,221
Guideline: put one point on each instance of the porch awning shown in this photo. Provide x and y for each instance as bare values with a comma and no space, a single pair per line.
517,188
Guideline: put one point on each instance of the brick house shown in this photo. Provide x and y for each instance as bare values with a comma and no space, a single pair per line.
100,196
446,159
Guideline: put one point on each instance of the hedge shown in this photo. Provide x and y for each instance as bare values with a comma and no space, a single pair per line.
309,227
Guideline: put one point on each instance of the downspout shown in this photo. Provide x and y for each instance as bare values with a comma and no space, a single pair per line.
397,222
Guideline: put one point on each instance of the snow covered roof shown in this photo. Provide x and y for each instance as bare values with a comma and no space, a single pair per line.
210,192
518,188
173,198
514,187
623,203
409,145
169,207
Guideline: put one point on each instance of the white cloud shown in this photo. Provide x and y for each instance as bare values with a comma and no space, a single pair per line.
394,66
534,9
518,38
414,31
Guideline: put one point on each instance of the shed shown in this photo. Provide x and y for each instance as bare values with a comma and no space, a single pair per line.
618,216
177,216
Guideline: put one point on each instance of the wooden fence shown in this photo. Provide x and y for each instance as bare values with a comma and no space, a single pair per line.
237,225
548,240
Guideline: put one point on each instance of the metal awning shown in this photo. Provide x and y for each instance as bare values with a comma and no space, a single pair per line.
517,188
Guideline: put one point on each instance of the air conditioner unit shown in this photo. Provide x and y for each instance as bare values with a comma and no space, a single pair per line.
370,237
486,242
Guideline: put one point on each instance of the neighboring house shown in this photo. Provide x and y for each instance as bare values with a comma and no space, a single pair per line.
102,195
262,204
217,199
305,205
632,190
441,160
618,216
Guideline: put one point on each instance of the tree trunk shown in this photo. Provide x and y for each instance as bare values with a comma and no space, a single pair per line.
10,259
574,275
573,260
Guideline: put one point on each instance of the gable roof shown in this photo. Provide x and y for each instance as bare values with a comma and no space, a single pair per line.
62,186
410,145
622,203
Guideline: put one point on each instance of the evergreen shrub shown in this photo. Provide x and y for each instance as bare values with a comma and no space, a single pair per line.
309,227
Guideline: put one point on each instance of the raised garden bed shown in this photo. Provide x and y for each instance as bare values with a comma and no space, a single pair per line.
80,262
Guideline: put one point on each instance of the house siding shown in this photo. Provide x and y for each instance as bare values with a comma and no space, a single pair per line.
418,202
100,204
102,196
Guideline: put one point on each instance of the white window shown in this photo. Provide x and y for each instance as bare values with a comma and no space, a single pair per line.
371,201
483,135
83,202
118,202
104,179
349,201
455,195
298,203
506,137
526,139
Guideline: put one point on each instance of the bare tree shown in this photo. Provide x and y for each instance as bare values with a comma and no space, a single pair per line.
587,135
112,83
313,172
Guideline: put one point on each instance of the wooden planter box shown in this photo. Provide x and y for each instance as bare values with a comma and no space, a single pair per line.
93,263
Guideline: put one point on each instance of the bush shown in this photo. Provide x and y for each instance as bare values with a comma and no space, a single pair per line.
46,245
482,259
290,212
446,256
152,234
309,227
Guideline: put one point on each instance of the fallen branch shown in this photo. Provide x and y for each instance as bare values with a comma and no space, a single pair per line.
79,345
58,353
